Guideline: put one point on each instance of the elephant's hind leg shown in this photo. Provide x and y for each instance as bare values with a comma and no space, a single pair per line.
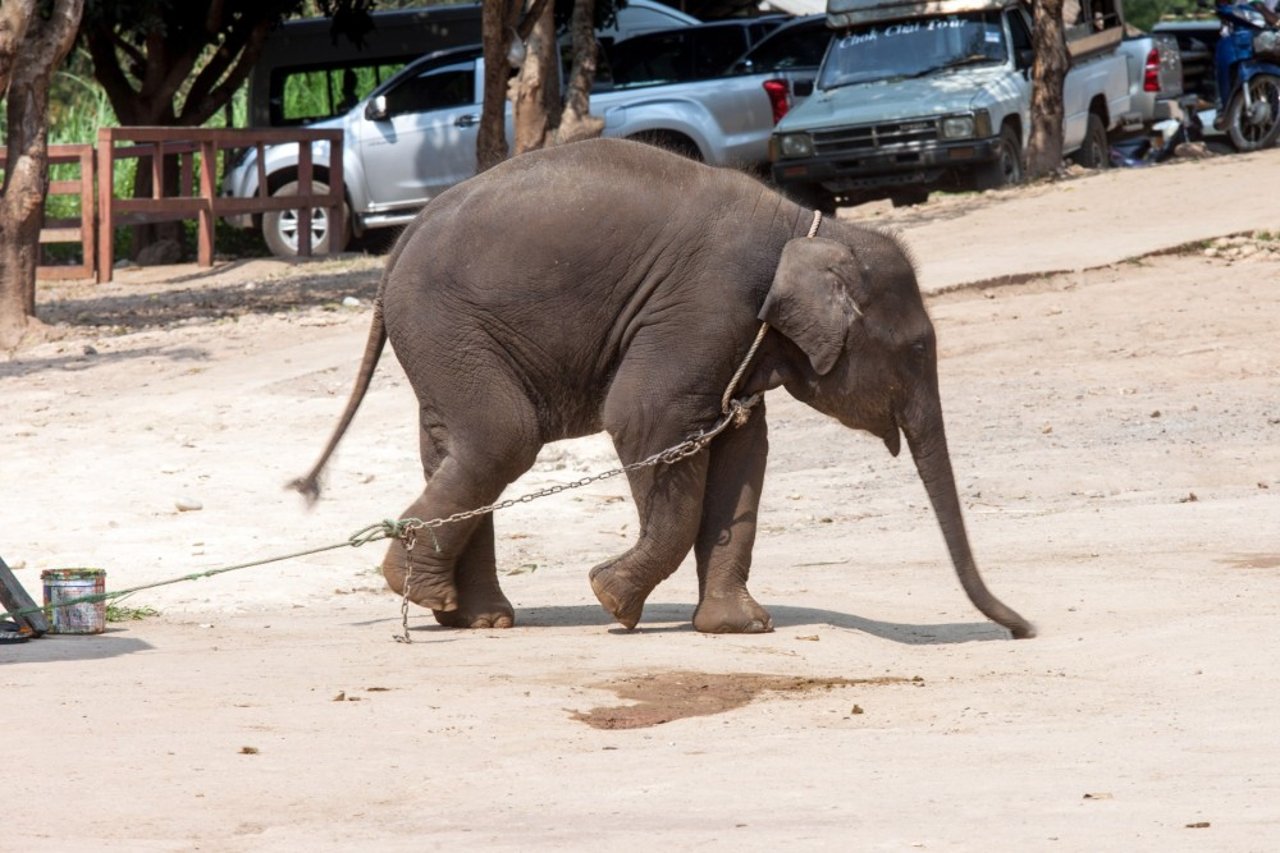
481,603
479,598
453,568
728,531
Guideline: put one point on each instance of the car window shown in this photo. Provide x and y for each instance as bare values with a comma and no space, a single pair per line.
651,60
435,89
795,47
1019,33
872,52
714,50
313,94
677,56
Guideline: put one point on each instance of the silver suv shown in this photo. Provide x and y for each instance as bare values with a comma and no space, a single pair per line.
414,136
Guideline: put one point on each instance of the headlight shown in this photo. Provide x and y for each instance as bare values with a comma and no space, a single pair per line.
957,127
795,145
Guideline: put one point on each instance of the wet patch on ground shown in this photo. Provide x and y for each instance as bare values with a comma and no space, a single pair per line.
1253,561
660,697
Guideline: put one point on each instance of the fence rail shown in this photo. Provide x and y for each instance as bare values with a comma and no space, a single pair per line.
197,149
67,230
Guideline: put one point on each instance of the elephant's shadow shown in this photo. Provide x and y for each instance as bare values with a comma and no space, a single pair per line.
660,617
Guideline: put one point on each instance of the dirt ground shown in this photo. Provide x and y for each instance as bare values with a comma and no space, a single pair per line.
1116,434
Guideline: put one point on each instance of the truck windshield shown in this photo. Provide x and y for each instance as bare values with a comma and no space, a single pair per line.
916,48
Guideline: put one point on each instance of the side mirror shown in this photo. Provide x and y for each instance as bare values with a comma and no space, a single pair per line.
376,109
1026,58
802,88
742,66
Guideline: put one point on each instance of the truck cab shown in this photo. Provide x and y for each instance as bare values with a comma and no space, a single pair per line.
936,94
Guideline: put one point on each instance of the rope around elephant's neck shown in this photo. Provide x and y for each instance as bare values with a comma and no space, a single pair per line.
813,229
755,345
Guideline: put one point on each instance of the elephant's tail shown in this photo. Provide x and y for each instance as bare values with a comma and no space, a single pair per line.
309,485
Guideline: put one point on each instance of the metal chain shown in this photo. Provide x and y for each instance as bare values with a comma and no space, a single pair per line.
410,538
739,410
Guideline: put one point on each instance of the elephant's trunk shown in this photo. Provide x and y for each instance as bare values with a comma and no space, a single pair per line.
927,439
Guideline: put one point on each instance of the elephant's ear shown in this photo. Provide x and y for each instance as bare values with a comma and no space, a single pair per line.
810,300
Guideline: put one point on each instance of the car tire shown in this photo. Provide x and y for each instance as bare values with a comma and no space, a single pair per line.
1095,151
280,227
812,196
909,198
1259,130
1006,169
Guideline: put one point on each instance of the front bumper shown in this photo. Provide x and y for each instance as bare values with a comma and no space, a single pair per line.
927,164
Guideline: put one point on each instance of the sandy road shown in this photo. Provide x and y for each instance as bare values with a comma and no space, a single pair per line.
1116,434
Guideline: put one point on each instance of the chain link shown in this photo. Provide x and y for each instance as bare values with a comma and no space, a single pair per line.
739,410
410,539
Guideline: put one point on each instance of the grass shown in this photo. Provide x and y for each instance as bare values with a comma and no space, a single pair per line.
120,613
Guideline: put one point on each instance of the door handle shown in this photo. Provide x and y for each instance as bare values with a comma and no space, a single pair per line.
468,120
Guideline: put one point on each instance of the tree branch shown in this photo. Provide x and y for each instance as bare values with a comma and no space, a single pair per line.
101,42
205,98
530,19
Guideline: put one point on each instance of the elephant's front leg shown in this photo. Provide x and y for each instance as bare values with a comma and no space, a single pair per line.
728,531
669,501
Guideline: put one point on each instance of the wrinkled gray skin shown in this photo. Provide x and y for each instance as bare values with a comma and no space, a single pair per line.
609,285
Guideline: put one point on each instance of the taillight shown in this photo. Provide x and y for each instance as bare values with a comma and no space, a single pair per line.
1151,72
779,92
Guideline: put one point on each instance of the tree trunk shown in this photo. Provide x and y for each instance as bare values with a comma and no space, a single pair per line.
576,121
498,30
498,18
44,45
537,86
1044,147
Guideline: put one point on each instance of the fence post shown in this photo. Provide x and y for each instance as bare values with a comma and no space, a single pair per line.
305,173
88,235
208,188
106,182
337,190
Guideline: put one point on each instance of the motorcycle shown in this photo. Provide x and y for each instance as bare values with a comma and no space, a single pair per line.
1247,70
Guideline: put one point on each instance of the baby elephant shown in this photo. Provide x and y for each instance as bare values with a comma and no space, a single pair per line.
609,285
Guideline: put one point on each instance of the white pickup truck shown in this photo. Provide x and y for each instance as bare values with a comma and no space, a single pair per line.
917,95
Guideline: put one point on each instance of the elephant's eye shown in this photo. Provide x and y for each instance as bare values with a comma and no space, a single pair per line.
919,349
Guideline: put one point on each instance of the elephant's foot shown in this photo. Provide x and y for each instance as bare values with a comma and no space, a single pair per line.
428,589
618,593
735,612
476,609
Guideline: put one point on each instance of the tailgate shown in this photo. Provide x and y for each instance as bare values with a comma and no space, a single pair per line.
1170,65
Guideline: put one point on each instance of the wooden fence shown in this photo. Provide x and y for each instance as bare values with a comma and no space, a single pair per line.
67,230
197,150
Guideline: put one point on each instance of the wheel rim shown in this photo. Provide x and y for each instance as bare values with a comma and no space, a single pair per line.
1010,170
1097,152
1256,123
288,227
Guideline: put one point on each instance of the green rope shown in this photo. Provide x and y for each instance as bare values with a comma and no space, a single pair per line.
384,530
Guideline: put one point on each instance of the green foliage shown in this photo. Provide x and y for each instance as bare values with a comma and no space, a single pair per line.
1143,14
